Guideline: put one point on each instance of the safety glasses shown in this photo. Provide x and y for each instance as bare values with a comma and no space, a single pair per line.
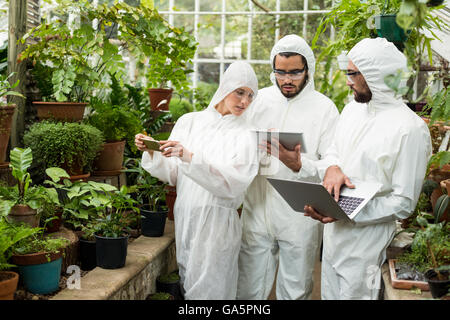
293,75
351,75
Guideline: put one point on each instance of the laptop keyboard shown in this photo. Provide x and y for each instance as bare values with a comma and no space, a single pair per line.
349,204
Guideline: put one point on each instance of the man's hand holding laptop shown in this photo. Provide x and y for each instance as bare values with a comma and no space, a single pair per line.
333,180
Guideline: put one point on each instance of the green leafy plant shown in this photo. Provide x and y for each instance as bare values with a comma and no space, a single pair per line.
6,87
112,221
439,107
170,277
160,296
68,145
178,107
80,201
23,192
77,58
429,248
115,118
149,189
10,234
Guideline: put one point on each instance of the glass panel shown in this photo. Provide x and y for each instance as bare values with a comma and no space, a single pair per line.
209,36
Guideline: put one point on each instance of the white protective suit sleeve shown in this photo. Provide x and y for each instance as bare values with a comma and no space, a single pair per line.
166,169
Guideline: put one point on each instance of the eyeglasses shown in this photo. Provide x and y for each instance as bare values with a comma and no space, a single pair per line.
293,75
241,93
351,75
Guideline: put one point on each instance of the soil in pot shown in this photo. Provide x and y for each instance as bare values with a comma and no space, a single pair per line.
170,284
8,284
438,287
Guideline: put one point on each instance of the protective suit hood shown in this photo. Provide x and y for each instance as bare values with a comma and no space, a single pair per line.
375,59
294,43
239,74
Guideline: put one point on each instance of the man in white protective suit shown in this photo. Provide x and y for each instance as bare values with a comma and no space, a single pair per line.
378,139
211,157
273,234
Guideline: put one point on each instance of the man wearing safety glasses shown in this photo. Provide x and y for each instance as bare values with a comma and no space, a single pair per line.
274,236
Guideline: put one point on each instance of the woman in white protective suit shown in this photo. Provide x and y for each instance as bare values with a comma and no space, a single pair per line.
211,159
377,139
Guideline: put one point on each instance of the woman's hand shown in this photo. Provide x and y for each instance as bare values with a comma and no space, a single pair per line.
140,144
175,149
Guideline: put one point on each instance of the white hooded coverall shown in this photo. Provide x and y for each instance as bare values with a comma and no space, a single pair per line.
272,231
381,141
210,189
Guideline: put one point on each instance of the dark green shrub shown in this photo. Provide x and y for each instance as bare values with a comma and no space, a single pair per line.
64,144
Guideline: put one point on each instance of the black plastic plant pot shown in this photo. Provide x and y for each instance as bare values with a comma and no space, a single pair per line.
152,222
438,287
88,256
172,288
388,28
111,253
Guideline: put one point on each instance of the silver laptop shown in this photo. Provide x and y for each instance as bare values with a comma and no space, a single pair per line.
288,139
300,193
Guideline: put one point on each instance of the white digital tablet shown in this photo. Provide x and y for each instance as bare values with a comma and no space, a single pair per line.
288,139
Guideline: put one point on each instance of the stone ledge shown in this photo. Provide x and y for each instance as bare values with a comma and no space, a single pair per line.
147,258
391,293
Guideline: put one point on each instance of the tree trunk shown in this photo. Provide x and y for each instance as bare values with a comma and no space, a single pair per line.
17,26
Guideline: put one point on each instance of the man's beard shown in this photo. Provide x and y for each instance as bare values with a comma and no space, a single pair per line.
299,88
363,96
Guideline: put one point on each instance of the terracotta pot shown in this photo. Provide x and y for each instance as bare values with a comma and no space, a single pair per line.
83,177
110,159
55,224
64,111
35,258
8,284
23,213
157,95
171,196
6,115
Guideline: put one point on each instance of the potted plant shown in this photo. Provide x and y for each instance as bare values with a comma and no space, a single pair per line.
154,212
170,283
71,146
119,123
71,60
112,230
80,202
429,249
20,202
6,113
10,234
39,259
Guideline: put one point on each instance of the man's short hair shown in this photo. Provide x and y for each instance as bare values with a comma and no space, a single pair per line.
291,54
